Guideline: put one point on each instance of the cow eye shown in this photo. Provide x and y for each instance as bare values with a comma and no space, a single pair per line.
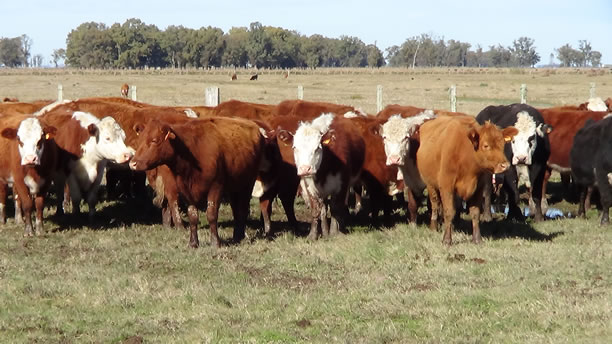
155,141
486,146
20,143
108,139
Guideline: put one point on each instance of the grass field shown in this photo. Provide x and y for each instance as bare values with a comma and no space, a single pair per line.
130,280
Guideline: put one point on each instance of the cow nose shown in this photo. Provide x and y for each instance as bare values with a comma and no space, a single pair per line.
501,167
127,156
393,160
304,170
520,160
133,165
30,159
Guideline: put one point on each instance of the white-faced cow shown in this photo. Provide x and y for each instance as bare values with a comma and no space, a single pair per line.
401,145
528,152
28,158
591,163
86,145
329,154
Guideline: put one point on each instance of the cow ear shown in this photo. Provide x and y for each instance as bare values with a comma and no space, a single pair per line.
474,137
9,133
49,132
285,136
543,129
329,138
138,128
509,133
375,129
92,129
416,134
169,134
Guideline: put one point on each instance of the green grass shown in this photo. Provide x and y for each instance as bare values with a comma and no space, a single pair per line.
547,282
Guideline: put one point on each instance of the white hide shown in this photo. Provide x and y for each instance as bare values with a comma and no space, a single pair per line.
30,135
190,113
307,148
32,185
610,178
49,107
596,104
109,143
396,133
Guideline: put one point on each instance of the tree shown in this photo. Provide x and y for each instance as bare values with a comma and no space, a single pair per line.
91,45
595,58
499,56
212,46
567,55
585,49
235,53
524,53
172,42
258,46
58,55
11,53
26,44
374,56
37,60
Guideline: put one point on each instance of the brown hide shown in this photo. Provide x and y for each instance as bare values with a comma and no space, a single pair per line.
310,110
23,108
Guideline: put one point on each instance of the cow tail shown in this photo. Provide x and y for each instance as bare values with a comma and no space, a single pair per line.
158,200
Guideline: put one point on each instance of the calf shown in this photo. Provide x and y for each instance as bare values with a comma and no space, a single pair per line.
329,154
207,157
86,144
28,157
591,163
401,144
454,156
125,90
528,152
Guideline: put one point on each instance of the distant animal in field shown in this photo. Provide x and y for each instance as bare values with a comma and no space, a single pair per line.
234,76
125,89
253,77
286,74
10,100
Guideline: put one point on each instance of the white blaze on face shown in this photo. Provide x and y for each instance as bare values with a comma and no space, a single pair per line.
396,133
524,143
31,138
610,178
110,141
307,148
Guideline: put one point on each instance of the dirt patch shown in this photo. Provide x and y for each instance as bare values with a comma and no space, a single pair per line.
133,340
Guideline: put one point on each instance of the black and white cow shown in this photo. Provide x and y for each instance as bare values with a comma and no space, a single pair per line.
591,163
528,152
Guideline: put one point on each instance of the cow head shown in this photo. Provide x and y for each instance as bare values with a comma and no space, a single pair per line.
308,143
525,142
397,132
31,136
107,138
488,141
154,146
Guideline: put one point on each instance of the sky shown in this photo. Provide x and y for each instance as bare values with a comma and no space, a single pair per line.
551,24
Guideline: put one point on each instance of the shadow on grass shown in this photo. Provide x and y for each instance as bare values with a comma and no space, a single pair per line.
499,229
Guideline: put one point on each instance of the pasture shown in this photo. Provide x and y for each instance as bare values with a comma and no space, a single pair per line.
130,280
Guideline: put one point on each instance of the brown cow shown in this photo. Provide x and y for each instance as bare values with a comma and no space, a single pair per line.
23,108
125,90
237,108
310,110
329,154
455,156
566,124
396,109
10,100
28,158
253,77
208,157
609,104
234,76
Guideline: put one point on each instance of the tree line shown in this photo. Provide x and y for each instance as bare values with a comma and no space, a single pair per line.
135,44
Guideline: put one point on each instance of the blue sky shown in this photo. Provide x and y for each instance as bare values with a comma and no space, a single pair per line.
550,23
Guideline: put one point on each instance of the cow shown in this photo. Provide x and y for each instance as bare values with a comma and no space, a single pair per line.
208,157
329,154
455,156
234,76
591,163
528,152
10,100
237,108
253,77
18,108
396,109
381,181
86,144
400,147
28,158
609,104
565,123
125,90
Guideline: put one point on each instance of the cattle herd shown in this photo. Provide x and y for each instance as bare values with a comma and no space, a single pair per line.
195,157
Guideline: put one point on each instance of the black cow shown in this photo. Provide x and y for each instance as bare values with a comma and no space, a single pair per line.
591,163
528,152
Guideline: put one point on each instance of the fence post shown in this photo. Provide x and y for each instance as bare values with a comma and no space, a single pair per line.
592,90
379,98
300,92
60,92
134,95
452,91
212,96
523,93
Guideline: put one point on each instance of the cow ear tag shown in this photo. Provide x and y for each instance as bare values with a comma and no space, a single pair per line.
326,141
507,139
167,134
47,136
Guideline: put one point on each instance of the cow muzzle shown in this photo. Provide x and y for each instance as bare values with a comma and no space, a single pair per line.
520,160
31,159
134,165
125,157
305,170
500,168
394,160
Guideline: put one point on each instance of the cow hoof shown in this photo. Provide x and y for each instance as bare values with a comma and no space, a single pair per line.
477,240
447,242
194,244
487,217
312,237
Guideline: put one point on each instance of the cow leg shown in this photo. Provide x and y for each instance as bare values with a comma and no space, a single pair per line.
212,213
40,206
265,205
565,181
511,187
605,195
487,192
535,193
25,204
547,173
176,214
288,200
411,204
324,221
587,199
339,212
166,214
448,205
18,209
240,210
3,196
582,191
64,201
192,213
434,198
